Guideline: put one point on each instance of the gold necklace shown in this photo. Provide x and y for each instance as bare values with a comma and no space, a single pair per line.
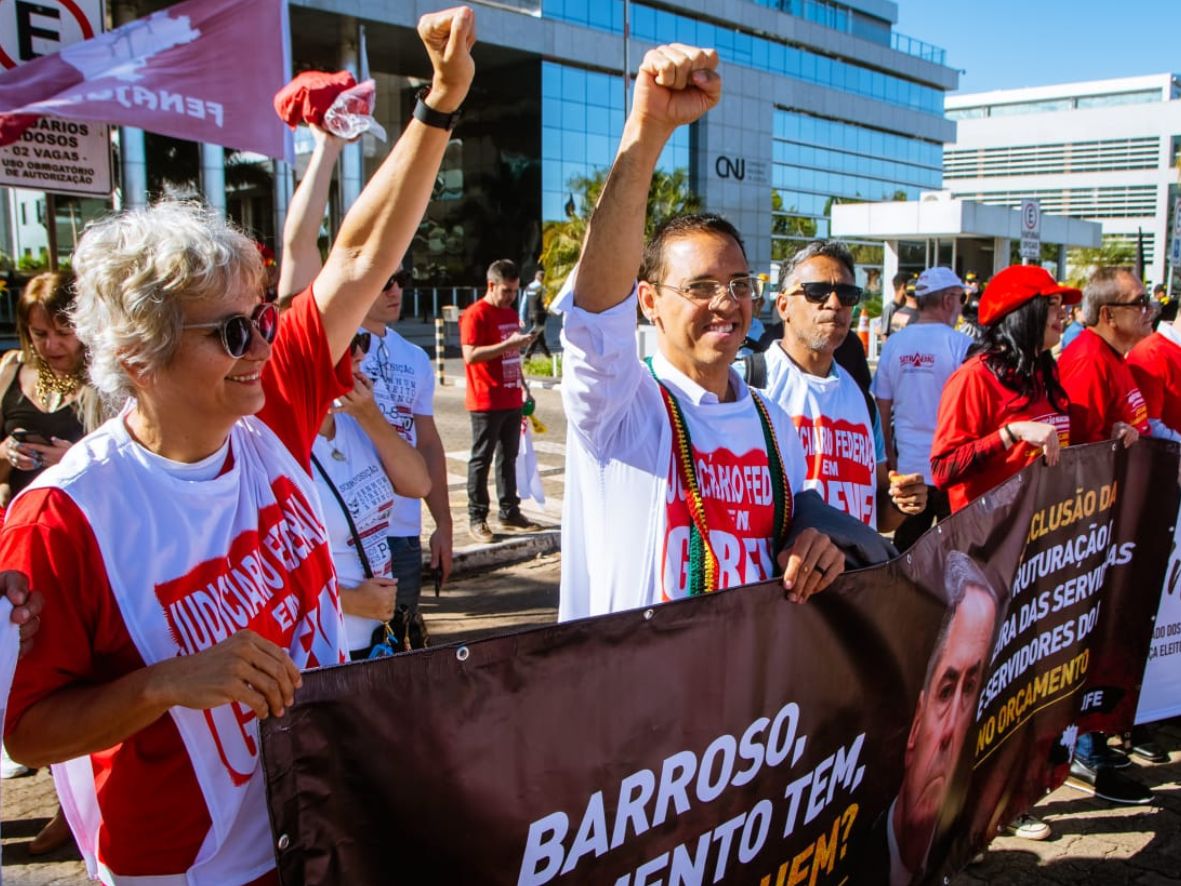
53,389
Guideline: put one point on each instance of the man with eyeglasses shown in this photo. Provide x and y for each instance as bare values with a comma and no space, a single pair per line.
843,443
914,366
1105,404
404,389
679,479
1105,401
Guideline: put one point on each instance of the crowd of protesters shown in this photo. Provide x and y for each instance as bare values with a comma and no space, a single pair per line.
276,454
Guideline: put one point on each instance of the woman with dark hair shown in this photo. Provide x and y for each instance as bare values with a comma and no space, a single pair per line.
1005,405
46,405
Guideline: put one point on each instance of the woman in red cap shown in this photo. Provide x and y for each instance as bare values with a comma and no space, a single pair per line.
1005,405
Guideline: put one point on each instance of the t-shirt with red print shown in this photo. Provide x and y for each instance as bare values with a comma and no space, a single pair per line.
1155,364
733,477
841,448
494,384
968,455
182,564
1101,388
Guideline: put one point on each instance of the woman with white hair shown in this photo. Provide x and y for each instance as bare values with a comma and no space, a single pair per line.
181,547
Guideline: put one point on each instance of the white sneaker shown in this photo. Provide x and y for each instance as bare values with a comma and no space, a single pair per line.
9,768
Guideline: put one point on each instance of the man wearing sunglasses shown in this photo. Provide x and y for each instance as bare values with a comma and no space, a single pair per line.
843,444
404,388
1106,403
679,480
1104,399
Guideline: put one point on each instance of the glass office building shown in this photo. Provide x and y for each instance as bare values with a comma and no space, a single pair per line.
823,103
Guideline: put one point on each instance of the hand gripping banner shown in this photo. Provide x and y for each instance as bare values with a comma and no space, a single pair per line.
880,732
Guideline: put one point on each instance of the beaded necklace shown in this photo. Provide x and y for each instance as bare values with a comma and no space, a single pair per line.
703,562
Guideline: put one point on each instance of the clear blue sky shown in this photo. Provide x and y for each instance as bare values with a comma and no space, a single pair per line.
1004,44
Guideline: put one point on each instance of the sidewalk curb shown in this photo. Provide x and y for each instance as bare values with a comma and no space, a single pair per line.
482,558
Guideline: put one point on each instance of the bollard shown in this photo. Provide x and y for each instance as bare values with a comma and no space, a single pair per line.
439,349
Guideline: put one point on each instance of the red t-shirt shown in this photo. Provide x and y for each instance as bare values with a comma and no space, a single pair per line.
154,813
491,384
1101,388
1155,364
968,455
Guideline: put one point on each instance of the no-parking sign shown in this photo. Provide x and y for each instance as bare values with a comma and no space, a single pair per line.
1031,229
54,155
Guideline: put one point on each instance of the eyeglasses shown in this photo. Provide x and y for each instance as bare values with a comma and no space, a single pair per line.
818,293
1142,302
707,291
237,330
361,342
399,277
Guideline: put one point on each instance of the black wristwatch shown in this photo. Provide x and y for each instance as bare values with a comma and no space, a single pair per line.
424,113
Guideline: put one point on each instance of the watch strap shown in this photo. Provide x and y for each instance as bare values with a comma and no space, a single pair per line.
424,113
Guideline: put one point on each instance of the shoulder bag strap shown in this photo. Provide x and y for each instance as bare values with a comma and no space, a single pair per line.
347,516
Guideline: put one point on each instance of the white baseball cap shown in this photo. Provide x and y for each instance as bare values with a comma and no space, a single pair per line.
937,279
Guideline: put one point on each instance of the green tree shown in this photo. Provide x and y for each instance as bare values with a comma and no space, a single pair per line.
1081,262
669,196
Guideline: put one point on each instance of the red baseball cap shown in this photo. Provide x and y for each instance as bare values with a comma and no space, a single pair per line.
1016,285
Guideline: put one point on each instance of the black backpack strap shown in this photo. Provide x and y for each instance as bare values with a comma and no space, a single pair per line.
753,369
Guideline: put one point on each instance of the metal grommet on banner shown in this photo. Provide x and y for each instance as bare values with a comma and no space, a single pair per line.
462,653
284,842
909,559
648,613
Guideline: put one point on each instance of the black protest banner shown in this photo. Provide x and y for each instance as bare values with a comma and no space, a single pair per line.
1070,653
731,738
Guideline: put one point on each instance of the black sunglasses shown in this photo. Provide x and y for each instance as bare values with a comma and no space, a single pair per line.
1141,302
237,330
818,293
361,342
399,277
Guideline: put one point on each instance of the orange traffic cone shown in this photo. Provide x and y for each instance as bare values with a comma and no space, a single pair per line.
863,330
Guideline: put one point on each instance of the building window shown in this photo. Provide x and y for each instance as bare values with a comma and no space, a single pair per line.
818,161
661,26
581,125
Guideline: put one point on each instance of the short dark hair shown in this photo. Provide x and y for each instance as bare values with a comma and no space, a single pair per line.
652,265
900,279
503,269
835,249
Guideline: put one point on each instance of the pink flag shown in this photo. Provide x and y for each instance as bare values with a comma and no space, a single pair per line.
204,70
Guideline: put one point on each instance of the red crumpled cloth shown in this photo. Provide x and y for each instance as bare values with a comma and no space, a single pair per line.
307,97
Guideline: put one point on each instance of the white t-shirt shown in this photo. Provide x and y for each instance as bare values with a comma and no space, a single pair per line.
842,446
915,364
366,489
403,386
624,523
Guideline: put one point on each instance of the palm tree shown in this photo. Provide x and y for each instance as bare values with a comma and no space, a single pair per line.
669,196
